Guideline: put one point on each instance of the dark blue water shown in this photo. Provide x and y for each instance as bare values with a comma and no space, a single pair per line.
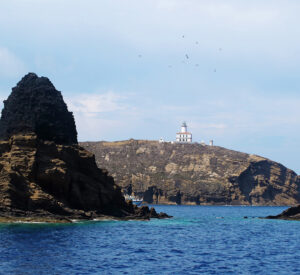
198,240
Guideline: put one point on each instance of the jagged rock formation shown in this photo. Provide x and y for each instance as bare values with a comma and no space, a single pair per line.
166,173
35,106
292,213
48,177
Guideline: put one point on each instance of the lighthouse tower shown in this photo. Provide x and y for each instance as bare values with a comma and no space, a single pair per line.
183,127
184,136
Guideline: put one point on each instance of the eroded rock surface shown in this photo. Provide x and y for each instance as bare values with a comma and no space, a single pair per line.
44,174
35,106
166,173
48,181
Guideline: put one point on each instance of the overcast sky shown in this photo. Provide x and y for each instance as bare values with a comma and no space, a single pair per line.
137,69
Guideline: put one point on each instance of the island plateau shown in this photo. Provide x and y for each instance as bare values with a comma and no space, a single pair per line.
195,174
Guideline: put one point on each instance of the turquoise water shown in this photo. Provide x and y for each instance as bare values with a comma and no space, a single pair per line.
198,240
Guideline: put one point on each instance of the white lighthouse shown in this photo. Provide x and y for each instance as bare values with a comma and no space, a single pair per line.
184,136
183,127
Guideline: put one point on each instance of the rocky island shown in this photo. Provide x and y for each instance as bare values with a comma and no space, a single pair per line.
166,173
44,174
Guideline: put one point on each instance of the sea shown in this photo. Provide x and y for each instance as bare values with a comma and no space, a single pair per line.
197,240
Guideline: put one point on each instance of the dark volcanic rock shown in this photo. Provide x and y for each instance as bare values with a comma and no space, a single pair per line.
35,106
166,173
293,213
44,177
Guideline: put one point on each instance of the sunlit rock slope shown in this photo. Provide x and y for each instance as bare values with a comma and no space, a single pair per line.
166,173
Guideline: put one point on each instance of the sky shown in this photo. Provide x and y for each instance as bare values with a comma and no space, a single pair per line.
139,68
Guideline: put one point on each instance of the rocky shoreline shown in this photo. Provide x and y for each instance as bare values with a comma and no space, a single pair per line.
143,213
46,176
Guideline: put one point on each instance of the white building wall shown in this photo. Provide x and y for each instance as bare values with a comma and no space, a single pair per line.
184,137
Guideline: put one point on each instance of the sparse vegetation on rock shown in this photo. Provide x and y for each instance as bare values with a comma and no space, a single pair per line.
166,173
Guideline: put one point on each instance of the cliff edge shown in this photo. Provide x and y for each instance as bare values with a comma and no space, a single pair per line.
166,173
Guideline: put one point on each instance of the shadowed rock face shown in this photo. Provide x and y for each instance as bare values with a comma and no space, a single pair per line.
35,106
44,174
167,173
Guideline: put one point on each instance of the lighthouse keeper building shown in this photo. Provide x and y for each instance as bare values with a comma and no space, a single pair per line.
184,136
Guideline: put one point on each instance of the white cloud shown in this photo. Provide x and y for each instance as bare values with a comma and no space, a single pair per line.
93,104
228,116
98,116
10,64
96,128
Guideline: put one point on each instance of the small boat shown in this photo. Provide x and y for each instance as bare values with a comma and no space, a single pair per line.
135,200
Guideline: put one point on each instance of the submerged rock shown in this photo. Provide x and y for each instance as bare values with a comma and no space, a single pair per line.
48,177
166,173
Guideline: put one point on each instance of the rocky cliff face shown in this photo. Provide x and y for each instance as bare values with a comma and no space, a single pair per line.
195,174
35,106
44,174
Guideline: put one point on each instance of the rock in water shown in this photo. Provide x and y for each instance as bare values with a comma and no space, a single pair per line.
292,213
44,174
35,106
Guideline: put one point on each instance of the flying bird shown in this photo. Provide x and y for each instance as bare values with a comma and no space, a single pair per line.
187,57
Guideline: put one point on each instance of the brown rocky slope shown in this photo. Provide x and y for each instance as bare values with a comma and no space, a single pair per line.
44,174
166,173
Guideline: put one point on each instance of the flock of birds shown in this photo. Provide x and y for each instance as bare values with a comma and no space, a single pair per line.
187,57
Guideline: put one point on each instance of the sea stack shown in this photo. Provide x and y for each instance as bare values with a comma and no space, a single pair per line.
35,106
44,174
